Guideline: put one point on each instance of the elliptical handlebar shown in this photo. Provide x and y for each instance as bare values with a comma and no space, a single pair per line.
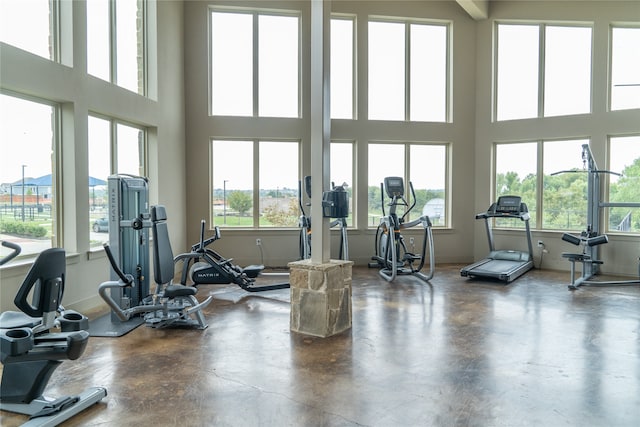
16,251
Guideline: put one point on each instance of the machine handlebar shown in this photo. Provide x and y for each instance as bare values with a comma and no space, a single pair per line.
126,278
16,251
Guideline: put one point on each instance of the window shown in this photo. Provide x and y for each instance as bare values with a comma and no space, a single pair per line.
238,200
419,94
236,70
562,77
625,68
342,68
109,139
624,155
341,165
28,172
116,36
564,199
427,171
519,169
30,25
516,174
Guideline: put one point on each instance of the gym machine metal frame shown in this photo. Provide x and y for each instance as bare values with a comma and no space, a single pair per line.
591,239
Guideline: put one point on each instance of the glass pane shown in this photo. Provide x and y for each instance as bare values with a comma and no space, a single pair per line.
99,171
386,71
564,198
428,73
384,160
567,71
27,24
278,66
27,191
341,165
625,159
232,186
342,69
130,148
130,45
279,184
98,39
428,169
516,174
517,72
625,68
231,64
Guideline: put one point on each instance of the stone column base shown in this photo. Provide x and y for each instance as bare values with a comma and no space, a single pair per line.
320,297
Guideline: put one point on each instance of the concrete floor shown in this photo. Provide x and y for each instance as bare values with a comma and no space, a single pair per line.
457,352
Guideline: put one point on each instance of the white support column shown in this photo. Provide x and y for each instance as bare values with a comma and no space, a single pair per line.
320,126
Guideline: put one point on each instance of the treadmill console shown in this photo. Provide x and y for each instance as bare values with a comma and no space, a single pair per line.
508,205
394,186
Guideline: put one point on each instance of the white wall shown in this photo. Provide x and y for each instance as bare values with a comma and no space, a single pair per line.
79,93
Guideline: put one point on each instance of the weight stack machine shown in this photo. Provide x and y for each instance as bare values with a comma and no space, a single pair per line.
129,225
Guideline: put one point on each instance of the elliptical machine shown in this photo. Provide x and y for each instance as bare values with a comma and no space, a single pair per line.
391,254
335,205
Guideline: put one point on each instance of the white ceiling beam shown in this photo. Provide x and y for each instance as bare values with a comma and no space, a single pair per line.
478,9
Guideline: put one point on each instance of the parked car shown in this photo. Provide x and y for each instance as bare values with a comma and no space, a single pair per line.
101,225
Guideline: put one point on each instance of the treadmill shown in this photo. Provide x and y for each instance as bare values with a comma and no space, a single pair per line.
503,265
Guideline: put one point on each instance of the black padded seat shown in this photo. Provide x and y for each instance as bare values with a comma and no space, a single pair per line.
163,264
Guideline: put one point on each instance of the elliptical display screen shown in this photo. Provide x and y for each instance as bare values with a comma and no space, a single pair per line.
394,186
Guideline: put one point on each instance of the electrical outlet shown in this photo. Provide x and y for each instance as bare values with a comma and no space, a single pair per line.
540,244
412,240
258,242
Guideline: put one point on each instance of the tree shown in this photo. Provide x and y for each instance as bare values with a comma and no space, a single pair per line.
240,201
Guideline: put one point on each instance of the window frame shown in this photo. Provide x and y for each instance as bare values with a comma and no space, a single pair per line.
610,84
541,65
407,23
539,195
407,175
255,165
354,62
55,34
607,191
255,13
143,86
57,213
113,151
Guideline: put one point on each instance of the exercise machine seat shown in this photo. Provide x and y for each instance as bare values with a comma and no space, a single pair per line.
163,262
29,351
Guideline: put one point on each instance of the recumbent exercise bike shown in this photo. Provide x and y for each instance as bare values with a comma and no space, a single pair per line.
36,340
391,254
